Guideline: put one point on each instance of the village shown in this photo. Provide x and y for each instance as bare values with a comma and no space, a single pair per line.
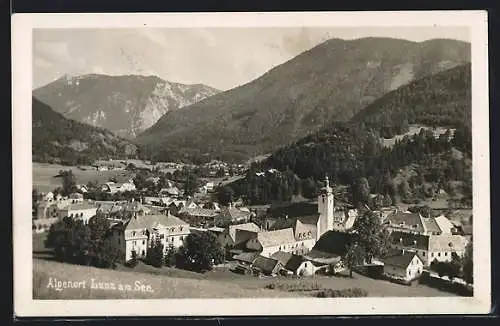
257,240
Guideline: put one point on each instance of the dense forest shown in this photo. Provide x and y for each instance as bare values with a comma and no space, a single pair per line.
443,99
348,153
60,140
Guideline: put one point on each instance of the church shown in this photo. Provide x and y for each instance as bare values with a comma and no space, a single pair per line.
298,235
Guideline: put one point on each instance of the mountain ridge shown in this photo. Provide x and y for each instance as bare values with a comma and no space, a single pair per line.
123,104
330,82
56,139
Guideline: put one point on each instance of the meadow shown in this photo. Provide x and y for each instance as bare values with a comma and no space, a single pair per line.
45,180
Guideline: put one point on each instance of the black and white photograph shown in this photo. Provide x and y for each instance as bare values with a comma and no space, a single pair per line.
251,163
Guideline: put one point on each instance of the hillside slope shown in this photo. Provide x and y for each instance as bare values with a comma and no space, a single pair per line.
443,99
125,105
331,82
60,140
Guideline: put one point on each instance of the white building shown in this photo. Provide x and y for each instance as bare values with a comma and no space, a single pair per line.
81,211
138,234
406,266
297,235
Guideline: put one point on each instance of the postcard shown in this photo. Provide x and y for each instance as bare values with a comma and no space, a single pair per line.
230,164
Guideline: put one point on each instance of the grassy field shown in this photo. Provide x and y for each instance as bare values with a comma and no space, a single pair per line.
44,175
177,283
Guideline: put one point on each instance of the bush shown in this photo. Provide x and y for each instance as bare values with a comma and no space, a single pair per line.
133,261
344,293
294,287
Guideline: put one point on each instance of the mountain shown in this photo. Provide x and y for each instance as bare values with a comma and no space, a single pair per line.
442,99
125,105
330,82
60,140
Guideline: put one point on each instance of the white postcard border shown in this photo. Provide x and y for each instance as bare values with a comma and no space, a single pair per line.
24,305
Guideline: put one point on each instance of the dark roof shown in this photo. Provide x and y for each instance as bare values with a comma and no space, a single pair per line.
248,257
282,256
417,241
264,264
333,242
400,260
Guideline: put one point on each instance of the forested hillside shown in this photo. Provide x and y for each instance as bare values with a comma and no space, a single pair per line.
60,140
443,99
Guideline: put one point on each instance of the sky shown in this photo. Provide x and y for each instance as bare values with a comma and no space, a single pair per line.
223,58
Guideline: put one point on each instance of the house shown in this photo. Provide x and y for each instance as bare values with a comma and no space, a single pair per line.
295,264
231,215
209,187
266,266
430,247
170,191
138,233
114,187
82,188
329,251
299,234
76,197
445,225
82,211
197,212
237,234
48,196
405,266
415,223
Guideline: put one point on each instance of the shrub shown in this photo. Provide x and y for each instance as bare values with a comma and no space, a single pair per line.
344,293
133,261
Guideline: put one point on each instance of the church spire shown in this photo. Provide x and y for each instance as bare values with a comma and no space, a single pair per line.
327,182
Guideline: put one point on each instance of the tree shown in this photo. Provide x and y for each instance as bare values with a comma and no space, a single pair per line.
404,189
190,184
201,251
371,238
353,257
361,192
467,265
154,256
225,195
68,182
170,256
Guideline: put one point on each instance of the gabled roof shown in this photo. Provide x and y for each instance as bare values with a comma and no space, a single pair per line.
417,241
288,260
151,221
248,257
400,260
251,227
264,264
413,221
444,223
204,212
431,225
446,242
333,242
234,214
276,238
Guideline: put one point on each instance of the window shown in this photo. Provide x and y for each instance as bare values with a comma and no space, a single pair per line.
181,237
439,254
302,244
446,253
305,265
162,236
133,233
143,242
134,242
423,253
172,239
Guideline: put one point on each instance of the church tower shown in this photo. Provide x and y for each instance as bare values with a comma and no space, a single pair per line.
325,210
